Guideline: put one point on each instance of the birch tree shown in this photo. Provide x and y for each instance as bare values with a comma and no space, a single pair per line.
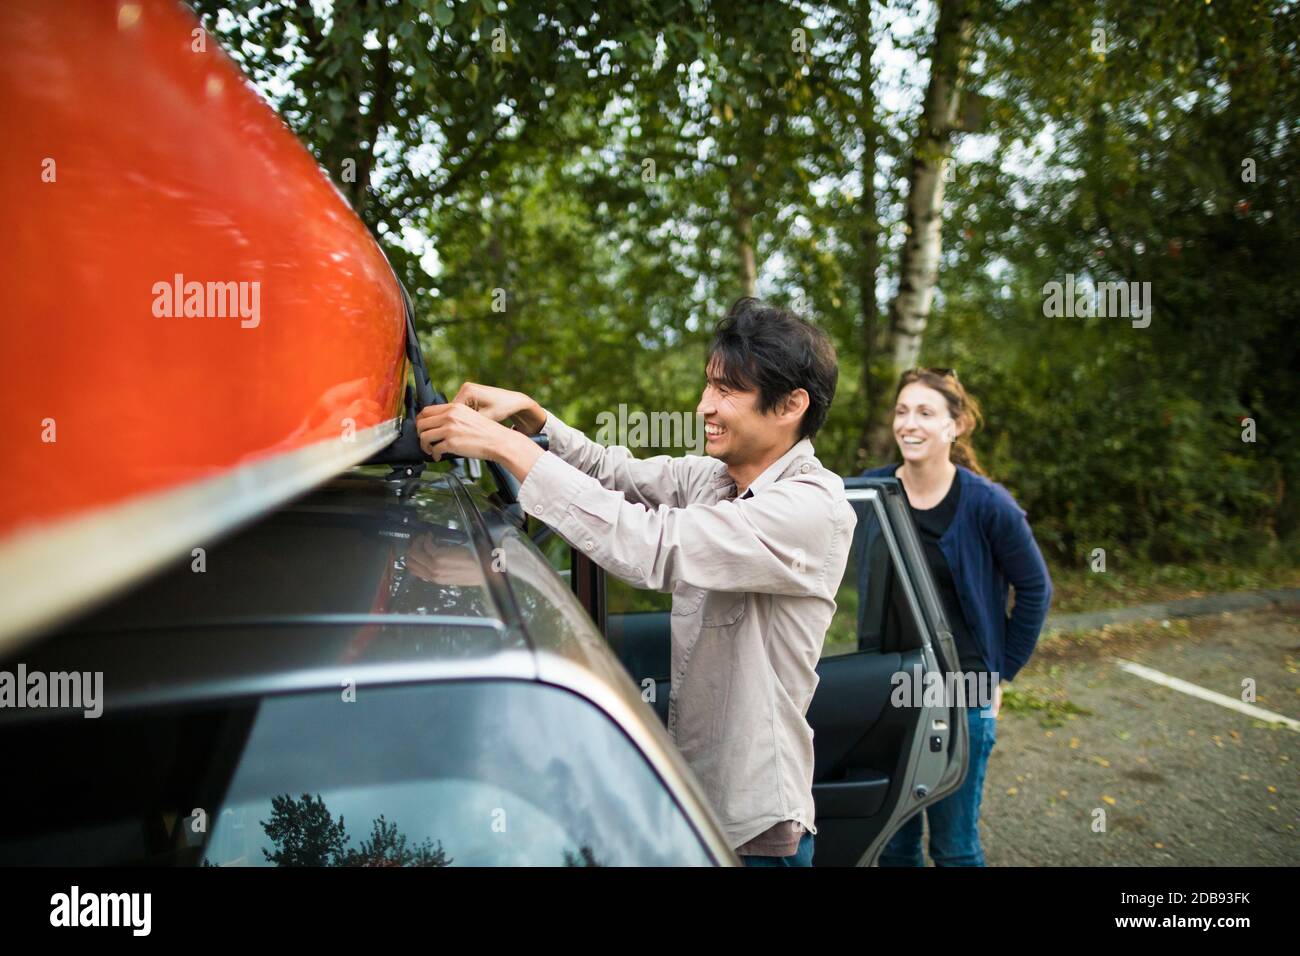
923,221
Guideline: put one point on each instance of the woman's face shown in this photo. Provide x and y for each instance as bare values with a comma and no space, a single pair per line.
923,427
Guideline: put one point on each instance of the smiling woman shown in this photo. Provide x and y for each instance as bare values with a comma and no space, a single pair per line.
977,545
945,414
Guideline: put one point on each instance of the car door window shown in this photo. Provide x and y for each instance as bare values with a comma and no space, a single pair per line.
622,598
557,551
873,613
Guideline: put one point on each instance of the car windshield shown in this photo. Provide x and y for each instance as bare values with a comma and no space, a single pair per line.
478,773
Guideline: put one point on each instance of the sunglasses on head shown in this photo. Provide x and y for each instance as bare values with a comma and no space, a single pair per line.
941,372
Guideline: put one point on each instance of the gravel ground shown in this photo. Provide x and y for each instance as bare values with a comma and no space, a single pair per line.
1182,781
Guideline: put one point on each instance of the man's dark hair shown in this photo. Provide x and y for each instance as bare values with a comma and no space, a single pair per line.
765,347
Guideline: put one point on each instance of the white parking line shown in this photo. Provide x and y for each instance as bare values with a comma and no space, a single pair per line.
1259,713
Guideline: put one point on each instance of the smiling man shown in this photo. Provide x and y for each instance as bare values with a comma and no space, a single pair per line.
751,539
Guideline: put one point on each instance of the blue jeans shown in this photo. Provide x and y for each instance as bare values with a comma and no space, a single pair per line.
802,856
954,820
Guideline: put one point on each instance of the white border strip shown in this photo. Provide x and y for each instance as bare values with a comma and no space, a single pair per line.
51,572
1214,697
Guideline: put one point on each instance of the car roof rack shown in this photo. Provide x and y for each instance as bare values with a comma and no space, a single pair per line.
405,454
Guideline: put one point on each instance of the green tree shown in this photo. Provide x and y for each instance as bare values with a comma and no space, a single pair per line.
304,833
387,847
574,210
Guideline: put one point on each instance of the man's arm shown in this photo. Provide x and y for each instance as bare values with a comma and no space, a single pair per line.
778,542
663,479
660,480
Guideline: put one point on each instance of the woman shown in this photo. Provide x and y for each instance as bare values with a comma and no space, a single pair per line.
977,544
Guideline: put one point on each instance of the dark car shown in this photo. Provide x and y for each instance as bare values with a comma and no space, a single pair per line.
390,671
281,656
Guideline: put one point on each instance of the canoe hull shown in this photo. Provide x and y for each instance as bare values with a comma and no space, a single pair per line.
190,298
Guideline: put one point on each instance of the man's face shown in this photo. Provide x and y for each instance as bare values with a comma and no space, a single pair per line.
734,431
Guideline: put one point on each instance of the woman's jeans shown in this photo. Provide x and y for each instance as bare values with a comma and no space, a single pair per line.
802,855
954,820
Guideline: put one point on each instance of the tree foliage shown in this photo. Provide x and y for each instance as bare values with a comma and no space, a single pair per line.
303,832
573,193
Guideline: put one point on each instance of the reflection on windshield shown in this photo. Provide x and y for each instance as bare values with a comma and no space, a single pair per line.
501,773
303,832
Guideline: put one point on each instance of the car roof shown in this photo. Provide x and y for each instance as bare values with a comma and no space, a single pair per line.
363,579
324,592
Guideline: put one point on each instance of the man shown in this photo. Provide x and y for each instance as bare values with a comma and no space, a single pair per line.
751,539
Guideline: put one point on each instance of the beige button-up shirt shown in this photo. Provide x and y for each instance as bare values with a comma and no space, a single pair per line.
753,581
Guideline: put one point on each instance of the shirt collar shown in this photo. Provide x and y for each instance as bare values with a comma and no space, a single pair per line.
801,449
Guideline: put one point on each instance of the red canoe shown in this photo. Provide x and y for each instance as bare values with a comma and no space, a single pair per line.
199,326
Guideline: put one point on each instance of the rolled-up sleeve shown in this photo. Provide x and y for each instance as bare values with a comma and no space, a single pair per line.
779,541
662,479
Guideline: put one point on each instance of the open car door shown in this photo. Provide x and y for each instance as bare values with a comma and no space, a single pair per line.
876,763
884,749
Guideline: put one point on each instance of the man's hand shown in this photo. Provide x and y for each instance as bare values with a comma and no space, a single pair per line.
997,700
460,430
499,404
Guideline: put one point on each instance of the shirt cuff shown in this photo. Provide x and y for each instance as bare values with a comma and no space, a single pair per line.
562,439
550,487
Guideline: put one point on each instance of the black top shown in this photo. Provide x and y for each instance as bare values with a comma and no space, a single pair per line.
931,523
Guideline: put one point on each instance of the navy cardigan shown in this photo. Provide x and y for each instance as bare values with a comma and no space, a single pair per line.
989,547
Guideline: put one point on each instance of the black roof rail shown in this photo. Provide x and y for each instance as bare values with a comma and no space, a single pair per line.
404,452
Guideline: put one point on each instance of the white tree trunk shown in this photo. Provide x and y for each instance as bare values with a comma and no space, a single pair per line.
919,264
918,268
